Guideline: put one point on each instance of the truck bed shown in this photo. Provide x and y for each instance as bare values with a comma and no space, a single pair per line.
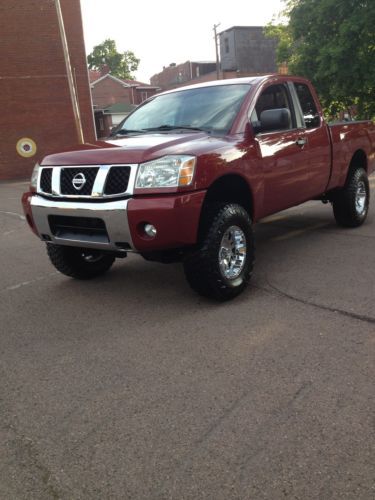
346,138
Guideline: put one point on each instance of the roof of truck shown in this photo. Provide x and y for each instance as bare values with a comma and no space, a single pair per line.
251,80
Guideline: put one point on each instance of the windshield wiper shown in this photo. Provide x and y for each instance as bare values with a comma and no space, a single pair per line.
125,131
174,127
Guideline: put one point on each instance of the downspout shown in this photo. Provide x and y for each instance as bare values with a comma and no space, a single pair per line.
70,76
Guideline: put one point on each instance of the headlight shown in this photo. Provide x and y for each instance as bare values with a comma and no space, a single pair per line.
34,176
168,171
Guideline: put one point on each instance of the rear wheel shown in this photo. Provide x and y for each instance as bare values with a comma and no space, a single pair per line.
350,204
79,263
221,266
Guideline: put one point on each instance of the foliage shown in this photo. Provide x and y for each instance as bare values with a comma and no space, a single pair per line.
332,42
120,64
284,51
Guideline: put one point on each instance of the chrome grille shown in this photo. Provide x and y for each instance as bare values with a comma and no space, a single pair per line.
117,180
46,180
67,176
84,182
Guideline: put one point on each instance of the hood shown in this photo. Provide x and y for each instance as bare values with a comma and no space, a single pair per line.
136,149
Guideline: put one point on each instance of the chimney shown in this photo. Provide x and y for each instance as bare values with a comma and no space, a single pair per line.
104,69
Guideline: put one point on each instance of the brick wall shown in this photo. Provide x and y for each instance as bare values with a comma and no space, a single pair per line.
182,74
34,93
108,91
141,94
209,77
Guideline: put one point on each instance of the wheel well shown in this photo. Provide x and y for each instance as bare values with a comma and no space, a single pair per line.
359,160
232,189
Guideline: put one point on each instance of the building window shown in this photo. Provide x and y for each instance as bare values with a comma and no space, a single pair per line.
101,124
143,96
197,71
226,45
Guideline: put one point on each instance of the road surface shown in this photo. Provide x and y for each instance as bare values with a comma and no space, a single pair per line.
133,387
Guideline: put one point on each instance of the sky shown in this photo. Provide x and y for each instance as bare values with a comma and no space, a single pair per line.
166,31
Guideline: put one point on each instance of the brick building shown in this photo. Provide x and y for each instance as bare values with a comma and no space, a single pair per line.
114,98
246,49
36,106
176,75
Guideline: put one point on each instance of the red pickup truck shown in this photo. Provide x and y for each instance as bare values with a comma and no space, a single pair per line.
186,175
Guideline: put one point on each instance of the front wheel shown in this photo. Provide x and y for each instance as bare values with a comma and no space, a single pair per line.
221,266
79,263
350,204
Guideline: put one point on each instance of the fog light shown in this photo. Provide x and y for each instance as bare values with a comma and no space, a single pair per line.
150,230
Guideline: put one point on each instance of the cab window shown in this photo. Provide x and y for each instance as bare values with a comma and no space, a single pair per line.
274,97
310,113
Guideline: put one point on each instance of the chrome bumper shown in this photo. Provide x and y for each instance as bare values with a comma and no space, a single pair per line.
113,213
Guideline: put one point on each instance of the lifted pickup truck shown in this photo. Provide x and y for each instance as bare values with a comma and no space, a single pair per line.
186,175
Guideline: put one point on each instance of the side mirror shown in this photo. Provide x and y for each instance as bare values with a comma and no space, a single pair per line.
275,119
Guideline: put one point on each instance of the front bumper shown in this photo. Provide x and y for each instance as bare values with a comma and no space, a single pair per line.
112,213
176,218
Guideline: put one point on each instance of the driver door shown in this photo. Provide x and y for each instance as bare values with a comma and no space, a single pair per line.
281,153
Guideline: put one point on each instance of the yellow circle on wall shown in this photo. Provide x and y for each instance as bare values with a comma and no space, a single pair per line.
26,147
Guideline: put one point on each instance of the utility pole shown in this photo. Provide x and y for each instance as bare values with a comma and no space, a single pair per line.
70,75
217,51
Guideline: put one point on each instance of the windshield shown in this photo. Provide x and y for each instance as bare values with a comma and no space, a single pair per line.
212,109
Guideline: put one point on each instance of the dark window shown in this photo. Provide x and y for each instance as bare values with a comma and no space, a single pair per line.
310,113
226,45
274,97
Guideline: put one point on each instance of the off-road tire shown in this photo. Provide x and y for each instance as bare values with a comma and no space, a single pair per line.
346,209
75,262
202,265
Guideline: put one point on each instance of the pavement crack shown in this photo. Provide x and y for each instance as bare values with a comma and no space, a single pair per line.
219,420
280,414
301,391
336,310
28,458
26,283
13,214
196,447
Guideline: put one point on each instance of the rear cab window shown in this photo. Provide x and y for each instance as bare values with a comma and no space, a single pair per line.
309,111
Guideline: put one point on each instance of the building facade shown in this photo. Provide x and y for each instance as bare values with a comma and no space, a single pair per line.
176,75
36,108
246,49
114,98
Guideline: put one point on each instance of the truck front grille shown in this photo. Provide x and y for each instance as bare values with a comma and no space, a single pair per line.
117,180
68,175
105,181
46,180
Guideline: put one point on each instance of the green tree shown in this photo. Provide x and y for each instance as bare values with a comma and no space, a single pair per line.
120,64
332,42
284,51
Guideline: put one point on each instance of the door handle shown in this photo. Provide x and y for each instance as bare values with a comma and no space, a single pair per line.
301,141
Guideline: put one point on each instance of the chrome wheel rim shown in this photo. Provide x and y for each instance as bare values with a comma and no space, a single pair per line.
360,198
232,253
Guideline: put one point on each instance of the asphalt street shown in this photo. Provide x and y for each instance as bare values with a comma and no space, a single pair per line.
130,386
